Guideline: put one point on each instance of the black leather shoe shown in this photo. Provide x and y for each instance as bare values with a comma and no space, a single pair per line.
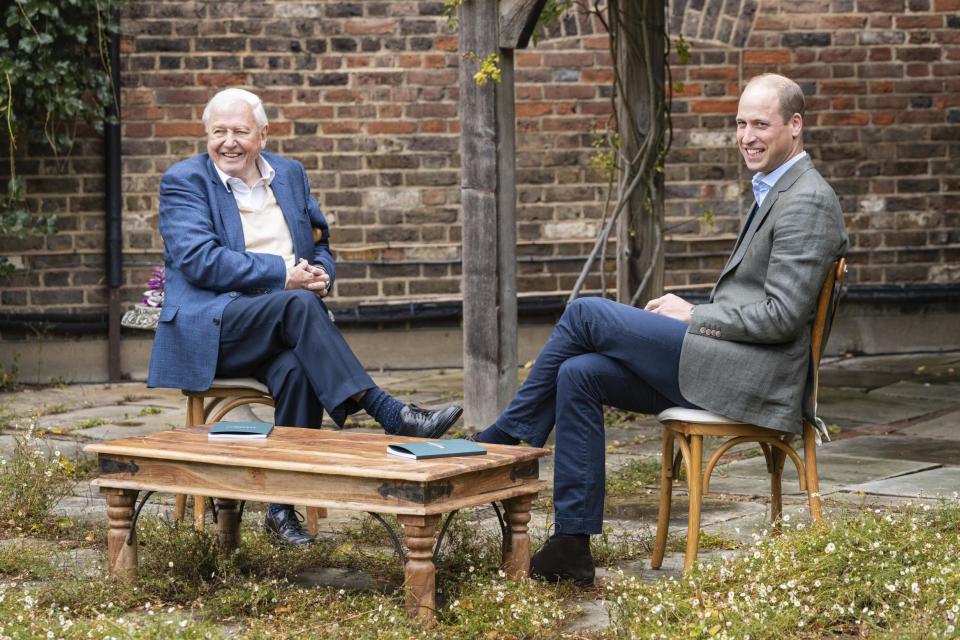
286,528
564,557
423,423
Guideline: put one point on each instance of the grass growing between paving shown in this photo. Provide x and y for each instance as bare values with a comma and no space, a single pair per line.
32,479
870,573
188,589
877,574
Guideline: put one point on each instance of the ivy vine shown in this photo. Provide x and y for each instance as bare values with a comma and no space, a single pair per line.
54,76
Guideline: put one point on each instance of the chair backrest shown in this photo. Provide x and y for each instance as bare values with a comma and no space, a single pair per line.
827,304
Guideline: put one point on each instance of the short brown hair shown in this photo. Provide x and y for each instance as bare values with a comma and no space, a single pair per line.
789,93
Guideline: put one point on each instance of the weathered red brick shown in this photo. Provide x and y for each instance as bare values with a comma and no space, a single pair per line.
368,26
178,129
374,128
768,56
713,106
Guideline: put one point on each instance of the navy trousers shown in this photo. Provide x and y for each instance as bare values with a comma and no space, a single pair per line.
287,341
600,353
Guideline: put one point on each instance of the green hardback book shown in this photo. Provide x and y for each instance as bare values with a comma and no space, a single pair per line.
227,430
435,449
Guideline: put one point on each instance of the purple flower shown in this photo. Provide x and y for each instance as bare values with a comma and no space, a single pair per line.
154,295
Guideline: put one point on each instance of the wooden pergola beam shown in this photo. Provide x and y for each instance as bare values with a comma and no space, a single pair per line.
518,19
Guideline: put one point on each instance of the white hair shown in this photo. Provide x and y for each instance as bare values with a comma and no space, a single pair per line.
229,97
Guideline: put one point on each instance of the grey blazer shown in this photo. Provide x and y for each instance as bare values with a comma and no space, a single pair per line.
746,354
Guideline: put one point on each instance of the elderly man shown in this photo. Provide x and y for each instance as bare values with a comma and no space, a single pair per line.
672,353
247,261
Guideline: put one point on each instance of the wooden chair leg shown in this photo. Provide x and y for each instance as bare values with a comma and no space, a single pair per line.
810,470
194,417
695,489
179,506
199,512
666,495
194,411
778,457
314,514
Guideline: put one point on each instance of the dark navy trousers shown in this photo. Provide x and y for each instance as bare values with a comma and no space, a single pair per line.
600,353
287,341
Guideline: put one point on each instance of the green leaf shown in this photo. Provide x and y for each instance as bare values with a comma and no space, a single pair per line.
49,75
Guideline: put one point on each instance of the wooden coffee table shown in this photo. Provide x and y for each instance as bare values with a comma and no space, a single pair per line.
320,469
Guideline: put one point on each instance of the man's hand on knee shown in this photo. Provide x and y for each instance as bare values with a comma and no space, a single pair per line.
310,277
671,306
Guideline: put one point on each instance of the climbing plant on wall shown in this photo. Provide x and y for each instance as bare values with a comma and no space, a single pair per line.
54,76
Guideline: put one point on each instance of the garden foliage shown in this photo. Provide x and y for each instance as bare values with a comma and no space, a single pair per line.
54,76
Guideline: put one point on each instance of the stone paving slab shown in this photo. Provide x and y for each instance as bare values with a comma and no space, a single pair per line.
70,448
29,400
868,372
642,512
948,392
944,427
943,482
901,363
749,477
122,415
853,407
896,447
114,431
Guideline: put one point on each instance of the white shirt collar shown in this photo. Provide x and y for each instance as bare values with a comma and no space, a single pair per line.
231,183
764,182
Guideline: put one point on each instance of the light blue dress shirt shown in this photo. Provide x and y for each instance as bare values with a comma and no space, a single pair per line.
763,182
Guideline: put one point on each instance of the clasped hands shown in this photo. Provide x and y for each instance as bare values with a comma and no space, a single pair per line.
304,275
671,306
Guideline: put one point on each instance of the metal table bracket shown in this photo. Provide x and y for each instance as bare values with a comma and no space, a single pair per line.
136,516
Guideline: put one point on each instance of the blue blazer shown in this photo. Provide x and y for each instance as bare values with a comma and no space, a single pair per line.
207,266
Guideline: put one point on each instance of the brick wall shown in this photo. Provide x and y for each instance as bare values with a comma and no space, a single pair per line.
364,94
882,79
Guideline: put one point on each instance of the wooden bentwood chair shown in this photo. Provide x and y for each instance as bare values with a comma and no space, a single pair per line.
231,393
688,427
207,407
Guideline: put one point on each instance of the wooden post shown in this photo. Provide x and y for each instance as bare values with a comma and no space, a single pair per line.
121,557
637,229
516,542
489,218
419,572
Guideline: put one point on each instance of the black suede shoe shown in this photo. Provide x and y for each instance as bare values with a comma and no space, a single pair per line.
286,528
564,557
423,423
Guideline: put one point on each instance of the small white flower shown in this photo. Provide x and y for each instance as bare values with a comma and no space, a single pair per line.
830,548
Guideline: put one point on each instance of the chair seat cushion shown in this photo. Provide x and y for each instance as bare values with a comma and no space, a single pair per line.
240,383
699,416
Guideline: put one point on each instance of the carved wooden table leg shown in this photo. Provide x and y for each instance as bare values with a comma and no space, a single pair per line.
228,524
419,580
516,542
122,557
